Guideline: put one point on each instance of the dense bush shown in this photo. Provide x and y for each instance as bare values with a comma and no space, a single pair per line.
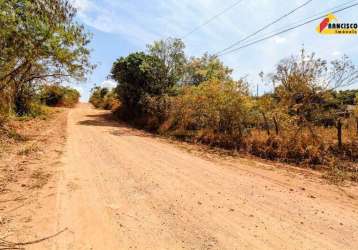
104,98
213,112
138,76
205,68
37,109
58,96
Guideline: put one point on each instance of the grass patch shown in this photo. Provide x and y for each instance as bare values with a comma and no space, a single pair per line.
36,111
340,171
336,175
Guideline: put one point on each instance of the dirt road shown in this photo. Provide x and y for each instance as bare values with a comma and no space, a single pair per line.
123,189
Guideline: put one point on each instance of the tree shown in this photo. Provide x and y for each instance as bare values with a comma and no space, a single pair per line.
40,42
206,68
171,53
56,95
306,85
267,107
139,75
97,96
345,97
103,98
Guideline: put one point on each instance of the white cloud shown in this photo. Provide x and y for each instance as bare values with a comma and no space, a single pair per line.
336,53
106,18
279,40
108,84
140,22
82,5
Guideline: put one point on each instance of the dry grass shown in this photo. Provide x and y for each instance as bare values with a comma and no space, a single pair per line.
29,149
318,151
338,172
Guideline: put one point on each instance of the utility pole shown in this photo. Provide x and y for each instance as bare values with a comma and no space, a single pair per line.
261,75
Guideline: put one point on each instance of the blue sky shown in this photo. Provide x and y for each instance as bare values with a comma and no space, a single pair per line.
120,27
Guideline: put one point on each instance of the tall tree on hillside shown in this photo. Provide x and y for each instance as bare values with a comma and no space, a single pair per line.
171,52
39,42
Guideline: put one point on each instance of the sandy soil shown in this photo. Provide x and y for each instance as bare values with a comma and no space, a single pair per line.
29,174
120,188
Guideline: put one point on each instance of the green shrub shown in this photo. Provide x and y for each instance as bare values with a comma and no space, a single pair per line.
104,98
58,96
71,97
139,75
156,111
38,109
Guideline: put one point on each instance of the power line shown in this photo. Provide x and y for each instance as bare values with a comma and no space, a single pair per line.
286,30
264,27
283,31
330,10
212,18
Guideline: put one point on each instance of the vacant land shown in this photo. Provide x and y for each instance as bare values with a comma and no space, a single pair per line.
115,187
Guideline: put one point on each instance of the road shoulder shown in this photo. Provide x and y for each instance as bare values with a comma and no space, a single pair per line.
30,170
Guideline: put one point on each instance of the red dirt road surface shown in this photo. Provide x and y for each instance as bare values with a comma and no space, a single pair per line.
120,188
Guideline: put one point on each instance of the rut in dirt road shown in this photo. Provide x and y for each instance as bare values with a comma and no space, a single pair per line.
124,189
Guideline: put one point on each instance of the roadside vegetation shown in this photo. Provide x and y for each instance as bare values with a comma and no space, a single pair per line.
104,98
42,48
58,96
308,119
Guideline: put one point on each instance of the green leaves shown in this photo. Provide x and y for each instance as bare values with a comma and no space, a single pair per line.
55,95
171,53
40,42
139,75
206,68
36,32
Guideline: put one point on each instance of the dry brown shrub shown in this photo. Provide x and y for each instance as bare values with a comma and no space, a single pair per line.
293,147
214,113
